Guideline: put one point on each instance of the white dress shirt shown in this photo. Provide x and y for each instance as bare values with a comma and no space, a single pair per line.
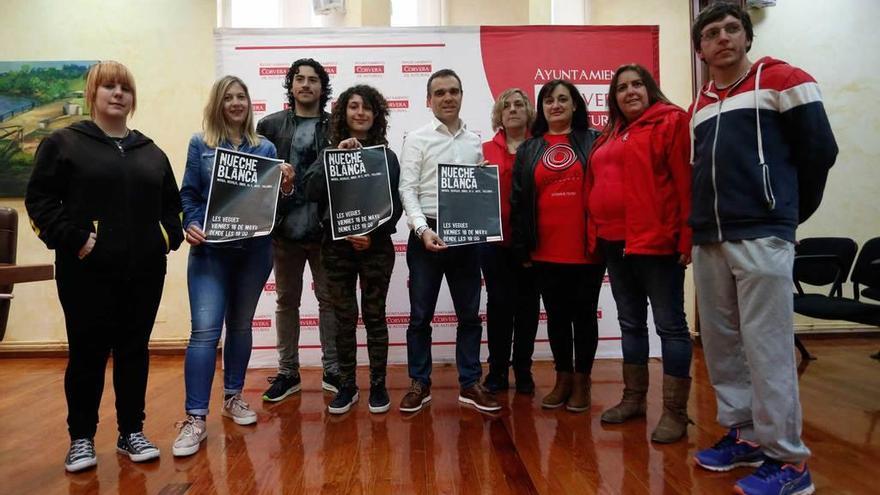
423,149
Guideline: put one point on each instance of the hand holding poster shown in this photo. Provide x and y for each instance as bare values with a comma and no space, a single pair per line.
359,189
468,204
243,196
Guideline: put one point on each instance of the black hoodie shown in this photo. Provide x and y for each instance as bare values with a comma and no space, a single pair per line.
126,194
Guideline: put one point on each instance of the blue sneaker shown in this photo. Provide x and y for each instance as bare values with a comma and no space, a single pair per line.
730,452
776,478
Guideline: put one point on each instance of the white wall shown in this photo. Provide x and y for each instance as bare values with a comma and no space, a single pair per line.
838,44
168,45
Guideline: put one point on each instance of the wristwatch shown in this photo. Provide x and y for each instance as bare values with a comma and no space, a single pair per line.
421,230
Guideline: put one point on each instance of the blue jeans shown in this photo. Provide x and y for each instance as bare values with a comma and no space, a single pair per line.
636,279
225,282
461,266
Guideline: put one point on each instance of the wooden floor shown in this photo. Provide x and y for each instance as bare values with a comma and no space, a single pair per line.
296,447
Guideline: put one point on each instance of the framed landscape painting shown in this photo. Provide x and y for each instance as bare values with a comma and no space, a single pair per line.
36,98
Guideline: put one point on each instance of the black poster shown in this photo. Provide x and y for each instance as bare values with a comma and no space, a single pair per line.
243,196
468,204
359,189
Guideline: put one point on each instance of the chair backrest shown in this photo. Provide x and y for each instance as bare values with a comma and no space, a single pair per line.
833,259
8,234
8,243
867,269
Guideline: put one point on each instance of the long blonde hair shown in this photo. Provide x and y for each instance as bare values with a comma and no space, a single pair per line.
214,123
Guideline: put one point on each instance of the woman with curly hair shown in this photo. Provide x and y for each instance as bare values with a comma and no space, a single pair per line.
360,118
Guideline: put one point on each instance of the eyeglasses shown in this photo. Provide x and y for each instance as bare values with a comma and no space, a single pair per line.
732,29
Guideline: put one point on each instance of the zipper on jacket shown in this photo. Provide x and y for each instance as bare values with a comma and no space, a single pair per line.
714,183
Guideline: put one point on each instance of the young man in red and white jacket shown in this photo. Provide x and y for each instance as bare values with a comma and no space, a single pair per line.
761,150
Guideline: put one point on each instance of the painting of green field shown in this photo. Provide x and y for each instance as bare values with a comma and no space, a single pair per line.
35,99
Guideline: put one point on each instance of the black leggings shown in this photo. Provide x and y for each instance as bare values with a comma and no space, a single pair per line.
105,316
571,298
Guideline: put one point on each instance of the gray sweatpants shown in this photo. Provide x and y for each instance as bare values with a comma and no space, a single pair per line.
744,292
290,261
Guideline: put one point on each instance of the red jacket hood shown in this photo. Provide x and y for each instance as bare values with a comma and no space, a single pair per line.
766,61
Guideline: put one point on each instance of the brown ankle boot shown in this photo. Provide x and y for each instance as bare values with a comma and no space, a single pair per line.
674,421
579,401
561,391
633,403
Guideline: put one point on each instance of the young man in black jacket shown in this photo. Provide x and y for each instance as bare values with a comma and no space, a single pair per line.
299,134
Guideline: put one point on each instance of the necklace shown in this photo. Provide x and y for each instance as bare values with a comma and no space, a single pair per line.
119,140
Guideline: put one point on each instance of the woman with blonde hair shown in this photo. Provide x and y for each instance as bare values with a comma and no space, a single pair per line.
225,279
104,197
513,302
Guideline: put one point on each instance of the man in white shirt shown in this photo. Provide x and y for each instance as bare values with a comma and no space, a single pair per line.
444,140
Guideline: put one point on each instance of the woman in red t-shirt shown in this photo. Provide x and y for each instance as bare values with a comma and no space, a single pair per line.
513,302
638,190
549,232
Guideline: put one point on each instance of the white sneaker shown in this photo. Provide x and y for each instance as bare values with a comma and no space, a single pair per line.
192,432
237,409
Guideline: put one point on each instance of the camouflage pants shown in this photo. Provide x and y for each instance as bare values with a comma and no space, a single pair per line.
342,267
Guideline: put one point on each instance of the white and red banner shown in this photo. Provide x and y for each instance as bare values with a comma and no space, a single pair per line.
398,62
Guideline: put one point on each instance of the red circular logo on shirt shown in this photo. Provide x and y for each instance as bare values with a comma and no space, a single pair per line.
559,157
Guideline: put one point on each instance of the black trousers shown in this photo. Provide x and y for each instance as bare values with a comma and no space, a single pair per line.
512,309
107,315
571,298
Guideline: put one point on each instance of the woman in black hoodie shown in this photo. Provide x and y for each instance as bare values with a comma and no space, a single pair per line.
360,118
104,197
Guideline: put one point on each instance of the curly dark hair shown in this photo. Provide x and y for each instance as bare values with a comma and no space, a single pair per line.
326,88
372,99
580,120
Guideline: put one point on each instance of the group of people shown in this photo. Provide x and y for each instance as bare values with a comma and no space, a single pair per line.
724,185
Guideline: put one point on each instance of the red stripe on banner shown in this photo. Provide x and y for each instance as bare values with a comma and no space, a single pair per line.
402,344
312,47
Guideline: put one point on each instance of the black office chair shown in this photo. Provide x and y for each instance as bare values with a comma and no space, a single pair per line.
867,273
826,261
821,262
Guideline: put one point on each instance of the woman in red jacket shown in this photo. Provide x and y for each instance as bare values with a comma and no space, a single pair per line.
638,189
513,303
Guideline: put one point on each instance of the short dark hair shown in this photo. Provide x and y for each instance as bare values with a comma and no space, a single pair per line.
443,73
714,13
615,114
326,89
375,101
580,118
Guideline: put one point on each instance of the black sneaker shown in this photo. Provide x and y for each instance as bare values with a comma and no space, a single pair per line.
343,401
81,455
136,447
379,400
282,387
525,384
330,382
495,382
